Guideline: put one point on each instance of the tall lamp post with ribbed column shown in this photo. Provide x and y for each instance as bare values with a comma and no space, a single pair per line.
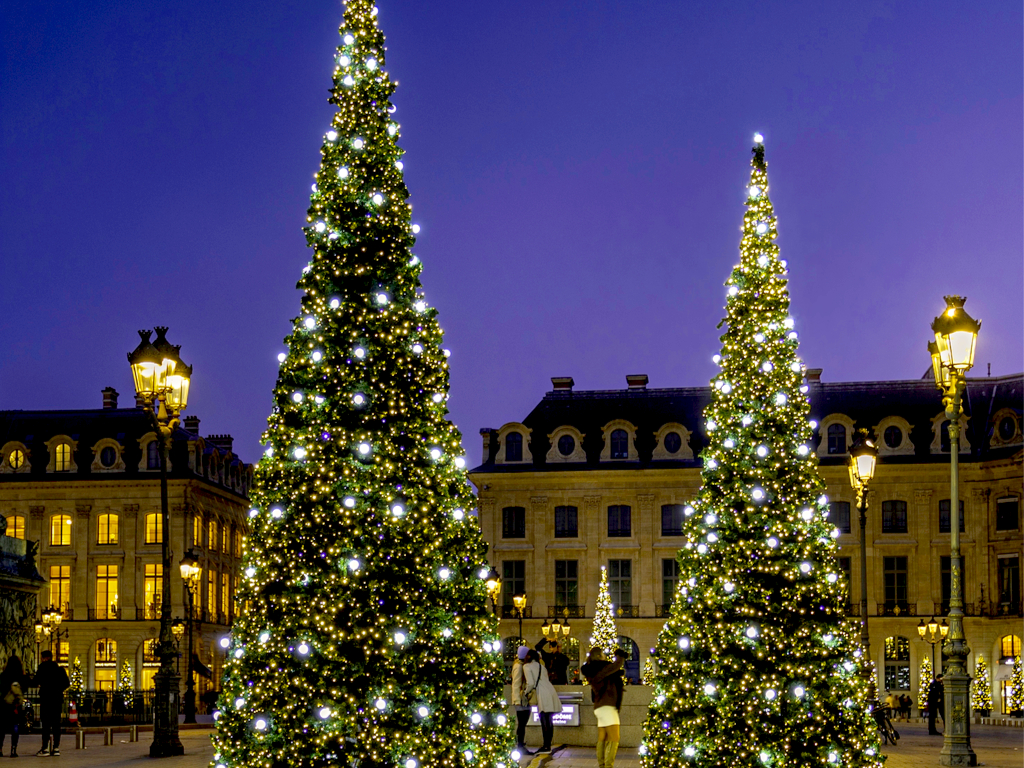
863,456
952,352
162,383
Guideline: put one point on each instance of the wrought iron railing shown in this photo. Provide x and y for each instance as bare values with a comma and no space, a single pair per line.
627,611
897,609
105,613
510,612
663,611
567,611
102,707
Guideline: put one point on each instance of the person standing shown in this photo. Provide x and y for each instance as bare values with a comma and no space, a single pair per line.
548,702
936,693
605,681
12,702
557,663
52,681
520,699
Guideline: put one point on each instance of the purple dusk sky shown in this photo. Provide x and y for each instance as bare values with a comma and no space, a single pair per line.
578,169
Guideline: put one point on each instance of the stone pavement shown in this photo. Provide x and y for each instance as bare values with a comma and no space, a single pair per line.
996,747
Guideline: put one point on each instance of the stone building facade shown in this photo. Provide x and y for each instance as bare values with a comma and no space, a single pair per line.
599,478
85,485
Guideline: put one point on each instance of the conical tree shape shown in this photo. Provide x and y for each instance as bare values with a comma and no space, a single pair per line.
366,638
981,686
755,665
924,679
605,634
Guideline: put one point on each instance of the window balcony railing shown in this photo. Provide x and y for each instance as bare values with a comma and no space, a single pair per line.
897,609
567,611
150,612
627,611
852,609
510,612
104,614
67,613
663,611
969,609
1006,609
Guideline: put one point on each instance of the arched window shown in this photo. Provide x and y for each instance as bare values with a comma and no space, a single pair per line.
632,667
62,458
1009,647
154,528
106,529
16,526
60,531
16,459
897,663
513,446
619,444
836,439
893,436
153,454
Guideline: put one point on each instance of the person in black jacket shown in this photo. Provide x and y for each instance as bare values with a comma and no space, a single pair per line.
52,681
936,704
556,662
13,685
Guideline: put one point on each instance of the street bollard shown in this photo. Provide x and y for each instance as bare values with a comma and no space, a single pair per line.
133,733
79,738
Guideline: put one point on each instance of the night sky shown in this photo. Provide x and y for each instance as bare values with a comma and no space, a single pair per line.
578,170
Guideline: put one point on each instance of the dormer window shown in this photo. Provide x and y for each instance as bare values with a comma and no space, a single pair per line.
566,445
513,444
619,444
153,455
513,447
62,458
836,439
16,459
893,437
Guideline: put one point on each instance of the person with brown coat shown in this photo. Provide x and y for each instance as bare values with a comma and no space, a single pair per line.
606,692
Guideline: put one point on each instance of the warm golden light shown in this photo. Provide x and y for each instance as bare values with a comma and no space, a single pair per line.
956,335
519,601
189,568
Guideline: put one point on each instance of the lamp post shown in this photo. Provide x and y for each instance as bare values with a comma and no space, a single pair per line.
162,383
952,352
863,456
49,627
933,633
553,629
178,630
494,588
519,601
190,571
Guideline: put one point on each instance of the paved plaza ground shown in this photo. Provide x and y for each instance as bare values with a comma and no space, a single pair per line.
996,747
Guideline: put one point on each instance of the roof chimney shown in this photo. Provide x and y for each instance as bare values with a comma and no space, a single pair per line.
637,380
813,374
486,434
221,441
191,424
562,383
109,398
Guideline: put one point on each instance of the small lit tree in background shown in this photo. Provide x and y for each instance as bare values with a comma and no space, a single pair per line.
605,634
367,640
757,664
981,688
1016,699
650,670
126,684
924,680
76,679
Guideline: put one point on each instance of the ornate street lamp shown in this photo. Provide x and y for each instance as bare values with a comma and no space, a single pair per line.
933,633
863,456
161,383
519,601
952,353
190,572
494,588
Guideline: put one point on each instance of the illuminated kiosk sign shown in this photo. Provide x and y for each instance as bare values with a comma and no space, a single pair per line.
570,715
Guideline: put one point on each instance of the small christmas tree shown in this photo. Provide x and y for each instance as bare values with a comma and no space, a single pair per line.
756,665
649,671
368,640
924,680
126,684
77,680
605,634
981,687
1016,699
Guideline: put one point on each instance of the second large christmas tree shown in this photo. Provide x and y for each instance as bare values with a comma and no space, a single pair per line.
755,666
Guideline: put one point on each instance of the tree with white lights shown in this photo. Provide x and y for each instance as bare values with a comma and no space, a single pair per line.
605,633
981,687
367,640
756,665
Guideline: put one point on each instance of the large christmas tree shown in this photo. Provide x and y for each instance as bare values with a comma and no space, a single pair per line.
367,640
605,634
755,665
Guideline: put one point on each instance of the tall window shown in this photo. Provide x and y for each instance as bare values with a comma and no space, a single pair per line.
238,542
839,515
225,593
944,514
513,579
513,446
153,589
213,536
566,523
619,444
106,664
154,528
669,580
62,458
197,531
153,454
211,591
672,517
1007,513
894,516
566,582
619,520
60,587
836,439
1009,584
150,664
620,582
897,664
895,570
107,529
60,531
16,526
106,591
513,523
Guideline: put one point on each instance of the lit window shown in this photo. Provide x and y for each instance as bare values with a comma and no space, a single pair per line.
60,587
897,664
107,529
62,458
213,536
238,543
153,589
106,592
1009,646
60,531
16,526
154,528
106,651
225,592
16,459
197,531
211,591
